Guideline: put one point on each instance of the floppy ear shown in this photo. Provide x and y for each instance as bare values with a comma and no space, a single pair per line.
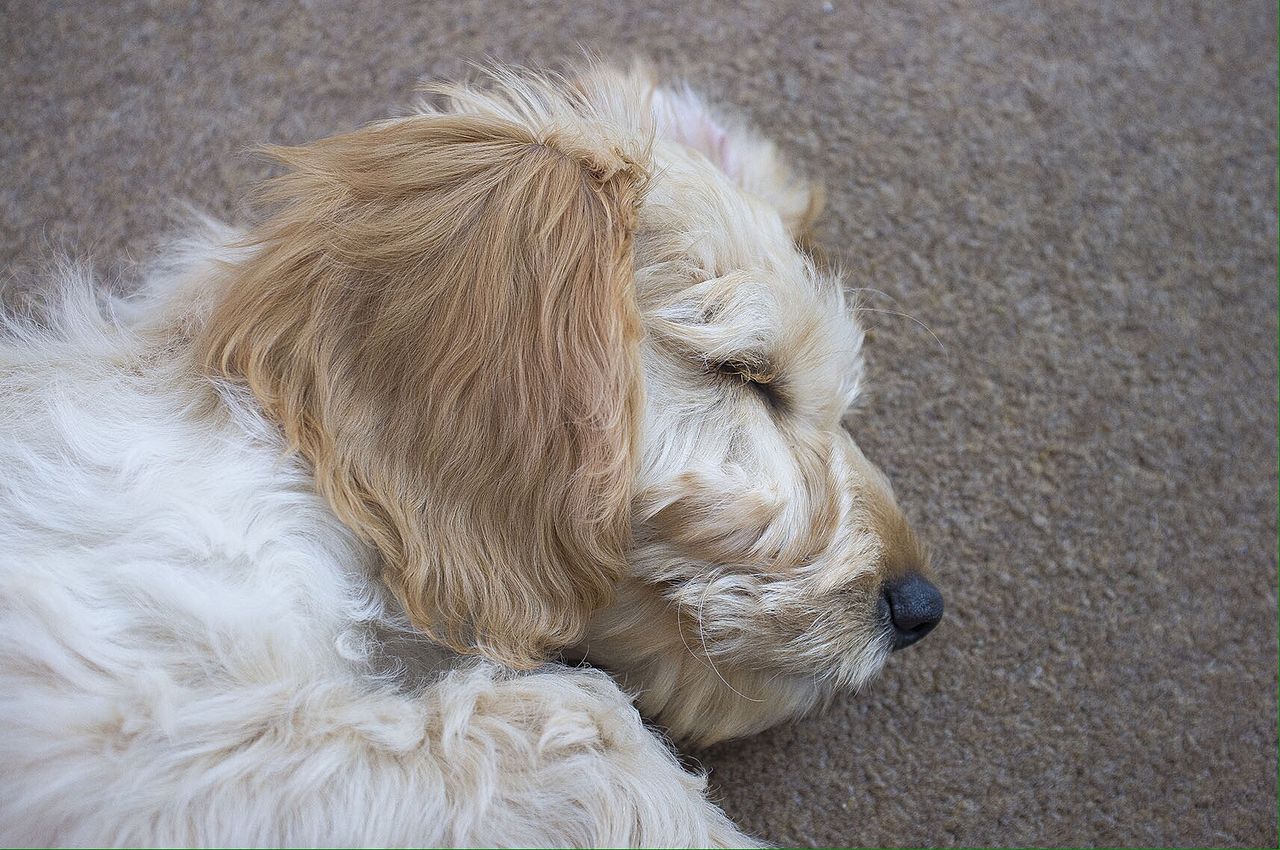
440,315
752,161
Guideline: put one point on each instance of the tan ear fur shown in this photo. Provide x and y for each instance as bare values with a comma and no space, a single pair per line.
440,315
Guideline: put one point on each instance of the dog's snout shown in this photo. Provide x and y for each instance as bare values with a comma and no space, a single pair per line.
914,608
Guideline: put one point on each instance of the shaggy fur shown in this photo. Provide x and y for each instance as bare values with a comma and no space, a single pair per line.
540,369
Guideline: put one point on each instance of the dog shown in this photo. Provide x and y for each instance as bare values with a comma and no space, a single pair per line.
329,533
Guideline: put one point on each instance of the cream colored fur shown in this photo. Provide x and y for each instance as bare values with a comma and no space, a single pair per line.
290,542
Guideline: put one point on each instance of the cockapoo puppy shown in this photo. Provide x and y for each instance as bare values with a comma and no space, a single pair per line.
293,542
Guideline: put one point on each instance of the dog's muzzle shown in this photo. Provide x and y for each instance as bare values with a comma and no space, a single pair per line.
912,606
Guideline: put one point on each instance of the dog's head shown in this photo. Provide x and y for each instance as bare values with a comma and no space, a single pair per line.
554,349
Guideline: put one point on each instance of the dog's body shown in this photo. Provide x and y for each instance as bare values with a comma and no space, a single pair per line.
469,383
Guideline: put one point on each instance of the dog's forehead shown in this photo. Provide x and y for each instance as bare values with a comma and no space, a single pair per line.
719,223
720,276
703,227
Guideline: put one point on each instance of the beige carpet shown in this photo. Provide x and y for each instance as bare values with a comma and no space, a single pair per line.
1077,198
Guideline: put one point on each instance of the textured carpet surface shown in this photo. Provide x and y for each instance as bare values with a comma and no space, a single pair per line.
1078,199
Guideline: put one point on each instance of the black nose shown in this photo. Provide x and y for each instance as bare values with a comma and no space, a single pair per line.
915,607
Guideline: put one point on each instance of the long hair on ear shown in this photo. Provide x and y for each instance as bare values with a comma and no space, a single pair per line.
440,314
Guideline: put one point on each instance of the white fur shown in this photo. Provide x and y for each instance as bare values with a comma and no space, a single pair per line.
193,650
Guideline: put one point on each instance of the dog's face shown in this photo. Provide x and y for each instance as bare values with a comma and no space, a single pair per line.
764,540
556,352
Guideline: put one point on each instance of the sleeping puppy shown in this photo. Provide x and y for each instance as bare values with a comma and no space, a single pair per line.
291,540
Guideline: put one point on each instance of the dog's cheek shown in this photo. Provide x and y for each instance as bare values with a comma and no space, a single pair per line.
707,522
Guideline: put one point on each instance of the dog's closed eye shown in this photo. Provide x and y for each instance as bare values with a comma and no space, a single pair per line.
759,372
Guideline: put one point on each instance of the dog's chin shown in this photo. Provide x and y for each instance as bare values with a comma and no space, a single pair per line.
736,701
841,675
853,671
703,691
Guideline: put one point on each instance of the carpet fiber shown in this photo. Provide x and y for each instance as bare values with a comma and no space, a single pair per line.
1078,199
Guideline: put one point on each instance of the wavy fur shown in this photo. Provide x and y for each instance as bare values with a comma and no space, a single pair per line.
290,541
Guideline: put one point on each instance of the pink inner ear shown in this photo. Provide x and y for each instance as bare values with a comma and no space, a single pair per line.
727,160
682,117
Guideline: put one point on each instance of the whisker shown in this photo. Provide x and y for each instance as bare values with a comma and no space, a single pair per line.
875,291
702,635
927,329
706,662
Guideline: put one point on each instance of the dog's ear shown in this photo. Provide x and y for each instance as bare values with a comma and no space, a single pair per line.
441,316
751,160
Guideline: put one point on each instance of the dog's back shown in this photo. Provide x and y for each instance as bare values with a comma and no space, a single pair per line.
164,573
194,650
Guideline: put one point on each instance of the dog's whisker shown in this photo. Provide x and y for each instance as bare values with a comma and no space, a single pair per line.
874,291
702,635
912,318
